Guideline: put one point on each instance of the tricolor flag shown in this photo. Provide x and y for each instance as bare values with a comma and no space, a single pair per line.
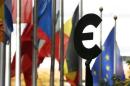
71,60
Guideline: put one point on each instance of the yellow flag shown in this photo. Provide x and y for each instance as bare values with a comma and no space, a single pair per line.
67,31
68,27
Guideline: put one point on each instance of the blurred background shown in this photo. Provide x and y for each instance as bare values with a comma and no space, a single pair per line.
120,8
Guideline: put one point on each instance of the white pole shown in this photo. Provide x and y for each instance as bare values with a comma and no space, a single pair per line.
2,64
80,59
100,64
18,52
115,58
8,63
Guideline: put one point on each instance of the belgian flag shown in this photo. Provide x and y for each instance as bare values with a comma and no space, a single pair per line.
71,63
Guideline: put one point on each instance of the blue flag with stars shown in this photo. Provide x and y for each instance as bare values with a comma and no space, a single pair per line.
107,63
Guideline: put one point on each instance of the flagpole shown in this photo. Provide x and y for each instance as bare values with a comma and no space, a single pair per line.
9,63
115,58
9,77
0,63
35,47
62,45
52,70
18,48
2,48
115,18
100,73
80,59
3,59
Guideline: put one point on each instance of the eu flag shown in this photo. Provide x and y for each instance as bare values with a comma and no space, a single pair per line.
107,63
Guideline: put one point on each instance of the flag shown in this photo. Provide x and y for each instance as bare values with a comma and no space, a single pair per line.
119,67
71,60
1,20
8,19
44,36
6,23
44,33
26,11
107,62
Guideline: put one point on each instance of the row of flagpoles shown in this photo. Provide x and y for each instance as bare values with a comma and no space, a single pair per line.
101,47
35,48
18,50
5,10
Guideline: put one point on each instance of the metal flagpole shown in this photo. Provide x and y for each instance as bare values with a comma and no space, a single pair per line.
35,47
18,48
3,59
115,18
9,63
2,48
115,58
62,45
100,73
4,63
80,59
1,55
53,43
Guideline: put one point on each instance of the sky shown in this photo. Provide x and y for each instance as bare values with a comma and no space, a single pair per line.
120,8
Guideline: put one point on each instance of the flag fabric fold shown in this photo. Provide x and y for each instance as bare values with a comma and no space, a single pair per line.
26,11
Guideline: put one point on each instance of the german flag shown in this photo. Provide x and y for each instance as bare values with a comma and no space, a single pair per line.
71,60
